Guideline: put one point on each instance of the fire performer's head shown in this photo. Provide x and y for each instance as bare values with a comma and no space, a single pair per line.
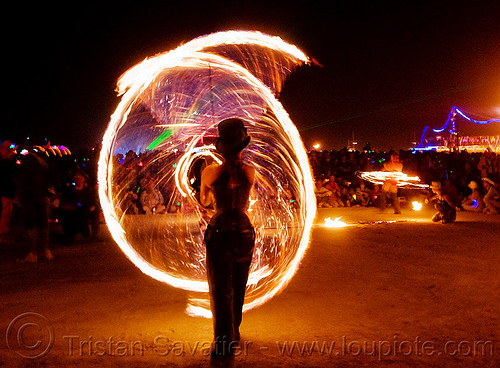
233,138
436,187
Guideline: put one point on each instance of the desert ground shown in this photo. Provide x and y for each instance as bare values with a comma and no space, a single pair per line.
385,291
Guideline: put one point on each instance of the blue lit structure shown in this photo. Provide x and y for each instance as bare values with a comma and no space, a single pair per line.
448,137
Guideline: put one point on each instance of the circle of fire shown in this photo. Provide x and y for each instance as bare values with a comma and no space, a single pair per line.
169,111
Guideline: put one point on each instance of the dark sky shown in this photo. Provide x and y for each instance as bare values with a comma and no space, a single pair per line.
389,67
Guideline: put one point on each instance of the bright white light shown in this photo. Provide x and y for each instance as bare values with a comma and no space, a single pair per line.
335,222
316,146
417,206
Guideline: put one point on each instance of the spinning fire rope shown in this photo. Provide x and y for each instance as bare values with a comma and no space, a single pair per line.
171,105
402,180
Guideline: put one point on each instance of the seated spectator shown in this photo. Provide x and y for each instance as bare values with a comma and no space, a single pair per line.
152,199
333,187
474,201
129,203
354,201
322,195
491,198
363,195
344,196
375,195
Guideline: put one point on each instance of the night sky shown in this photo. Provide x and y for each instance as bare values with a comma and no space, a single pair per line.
389,67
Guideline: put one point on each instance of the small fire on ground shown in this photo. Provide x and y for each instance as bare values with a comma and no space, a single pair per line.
335,222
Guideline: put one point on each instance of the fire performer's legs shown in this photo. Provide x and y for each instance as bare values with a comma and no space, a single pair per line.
240,278
219,269
382,203
446,213
395,203
220,261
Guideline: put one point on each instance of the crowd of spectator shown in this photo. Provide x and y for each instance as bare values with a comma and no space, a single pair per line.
470,179
40,187
37,187
136,179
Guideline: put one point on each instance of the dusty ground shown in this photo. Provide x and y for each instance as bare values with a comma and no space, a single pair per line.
404,294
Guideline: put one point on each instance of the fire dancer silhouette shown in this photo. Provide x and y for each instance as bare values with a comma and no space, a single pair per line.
230,235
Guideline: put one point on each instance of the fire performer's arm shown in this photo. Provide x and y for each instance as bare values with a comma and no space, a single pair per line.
208,177
447,198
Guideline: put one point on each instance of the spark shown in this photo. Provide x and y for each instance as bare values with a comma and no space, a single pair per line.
169,104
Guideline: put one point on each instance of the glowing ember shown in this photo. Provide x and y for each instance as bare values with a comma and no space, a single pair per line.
335,222
170,108
417,206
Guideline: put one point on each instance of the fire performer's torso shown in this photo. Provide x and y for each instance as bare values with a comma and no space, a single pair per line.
231,192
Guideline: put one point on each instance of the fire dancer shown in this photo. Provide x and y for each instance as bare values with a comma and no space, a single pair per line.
390,187
230,235
443,203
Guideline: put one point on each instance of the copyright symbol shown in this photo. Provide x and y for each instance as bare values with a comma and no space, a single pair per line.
30,335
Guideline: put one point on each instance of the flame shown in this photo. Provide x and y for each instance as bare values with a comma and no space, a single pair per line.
174,100
403,180
335,222
417,206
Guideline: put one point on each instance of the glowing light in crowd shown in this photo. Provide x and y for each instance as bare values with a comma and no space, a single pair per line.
335,222
316,146
170,107
401,179
417,206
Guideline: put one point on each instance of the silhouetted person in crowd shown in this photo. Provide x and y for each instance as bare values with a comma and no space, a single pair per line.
345,170
7,187
230,236
76,207
33,191
487,164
